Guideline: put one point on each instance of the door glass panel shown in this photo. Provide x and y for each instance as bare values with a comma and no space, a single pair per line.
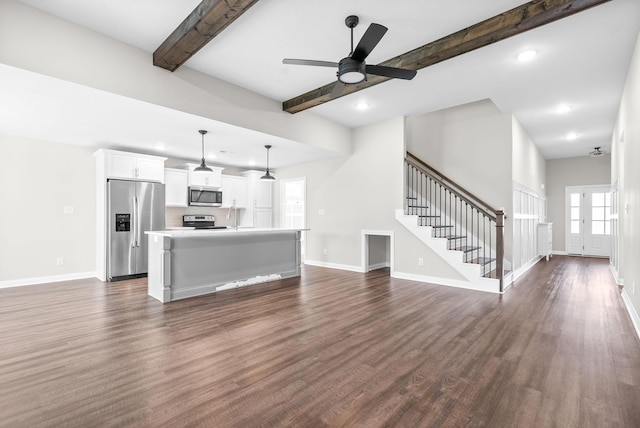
575,226
597,199
575,199
597,213
597,227
600,208
575,213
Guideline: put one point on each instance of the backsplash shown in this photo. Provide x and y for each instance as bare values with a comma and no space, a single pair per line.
173,215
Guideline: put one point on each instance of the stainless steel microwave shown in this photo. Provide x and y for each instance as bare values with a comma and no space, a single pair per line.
202,197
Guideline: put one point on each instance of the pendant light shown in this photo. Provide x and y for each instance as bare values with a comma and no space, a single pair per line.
267,176
203,166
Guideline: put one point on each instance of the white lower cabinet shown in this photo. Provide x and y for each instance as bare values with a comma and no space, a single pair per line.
262,218
545,239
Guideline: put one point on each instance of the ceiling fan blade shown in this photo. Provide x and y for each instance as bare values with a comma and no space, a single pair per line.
371,38
337,89
396,73
309,62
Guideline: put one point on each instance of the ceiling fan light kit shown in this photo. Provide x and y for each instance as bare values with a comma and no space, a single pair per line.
203,166
596,152
353,68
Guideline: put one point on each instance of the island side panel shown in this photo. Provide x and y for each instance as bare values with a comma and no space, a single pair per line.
200,264
159,276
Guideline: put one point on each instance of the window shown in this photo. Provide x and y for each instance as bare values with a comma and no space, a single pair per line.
575,212
600,214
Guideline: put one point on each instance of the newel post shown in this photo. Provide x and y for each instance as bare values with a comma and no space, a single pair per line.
500,247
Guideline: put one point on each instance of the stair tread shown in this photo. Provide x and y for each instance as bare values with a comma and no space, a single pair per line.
431,216
412,197
453,237
466,248
442,226
480,261
418,206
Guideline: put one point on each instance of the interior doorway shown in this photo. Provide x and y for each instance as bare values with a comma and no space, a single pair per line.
588,220
377,250
292,207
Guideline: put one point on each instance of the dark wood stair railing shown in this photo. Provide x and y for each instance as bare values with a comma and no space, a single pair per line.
468,223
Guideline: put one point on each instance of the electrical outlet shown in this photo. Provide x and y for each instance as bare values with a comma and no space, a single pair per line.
325,252
69,210
60,261
321,211
420,261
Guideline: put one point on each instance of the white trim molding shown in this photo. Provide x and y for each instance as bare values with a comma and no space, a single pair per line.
635,319
480,284
46,279
350,268
365,250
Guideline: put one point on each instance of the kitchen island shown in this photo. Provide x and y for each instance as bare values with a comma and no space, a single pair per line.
187,263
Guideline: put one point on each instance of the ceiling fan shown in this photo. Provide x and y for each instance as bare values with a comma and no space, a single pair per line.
353,69
596,152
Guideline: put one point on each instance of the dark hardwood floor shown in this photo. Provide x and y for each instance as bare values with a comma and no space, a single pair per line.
331,348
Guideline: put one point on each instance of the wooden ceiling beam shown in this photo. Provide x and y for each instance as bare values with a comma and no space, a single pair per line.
510,23
199,28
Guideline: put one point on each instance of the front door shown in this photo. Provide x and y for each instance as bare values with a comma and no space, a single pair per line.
588,223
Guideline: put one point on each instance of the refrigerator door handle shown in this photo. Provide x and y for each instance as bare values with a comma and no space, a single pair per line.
138,228
134,201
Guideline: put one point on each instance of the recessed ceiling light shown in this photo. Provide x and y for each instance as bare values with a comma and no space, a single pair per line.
251,162
160,147
527,55
362,105
211,156
563,108
572,136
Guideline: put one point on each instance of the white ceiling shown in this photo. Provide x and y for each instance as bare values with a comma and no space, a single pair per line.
582,61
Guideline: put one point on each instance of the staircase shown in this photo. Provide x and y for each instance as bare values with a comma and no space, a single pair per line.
464,230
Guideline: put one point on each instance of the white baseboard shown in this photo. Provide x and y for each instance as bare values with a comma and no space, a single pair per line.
379,266
524,269
616,275
45,279
559,253
635,319
334,266
483,284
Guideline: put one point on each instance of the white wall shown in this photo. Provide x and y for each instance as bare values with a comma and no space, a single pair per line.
34,40
37,180
561,173
360,193
625,171
529,166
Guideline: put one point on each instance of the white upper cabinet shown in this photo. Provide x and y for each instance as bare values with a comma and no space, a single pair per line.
176,182
132,166
234,191
259,212
205,179
260,193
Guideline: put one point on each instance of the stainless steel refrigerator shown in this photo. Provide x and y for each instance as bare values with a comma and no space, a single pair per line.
133,207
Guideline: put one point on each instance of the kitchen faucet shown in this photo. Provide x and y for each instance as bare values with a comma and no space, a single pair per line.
235,214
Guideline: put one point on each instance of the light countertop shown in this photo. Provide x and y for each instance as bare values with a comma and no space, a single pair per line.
180,233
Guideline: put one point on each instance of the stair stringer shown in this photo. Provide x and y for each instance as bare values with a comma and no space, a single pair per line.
471,272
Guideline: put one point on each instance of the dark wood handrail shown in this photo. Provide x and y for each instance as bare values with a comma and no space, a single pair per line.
468,195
